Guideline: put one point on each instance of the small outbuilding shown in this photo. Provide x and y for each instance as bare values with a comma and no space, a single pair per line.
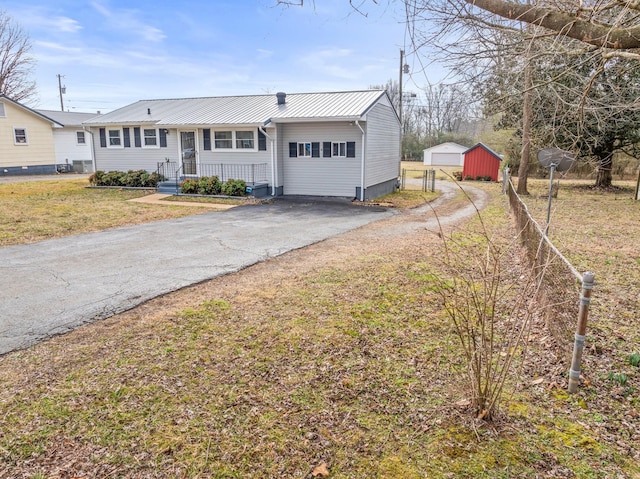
444,154
481,162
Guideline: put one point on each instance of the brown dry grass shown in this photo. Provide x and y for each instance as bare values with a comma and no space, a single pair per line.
334,354
33,211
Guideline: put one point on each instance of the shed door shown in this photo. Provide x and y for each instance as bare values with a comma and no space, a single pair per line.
446,159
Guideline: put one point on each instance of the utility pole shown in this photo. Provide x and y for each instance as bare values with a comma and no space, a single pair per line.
61,89
400,88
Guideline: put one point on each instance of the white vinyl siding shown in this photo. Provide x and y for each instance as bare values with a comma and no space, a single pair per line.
68,149
383,146
123,159
320,176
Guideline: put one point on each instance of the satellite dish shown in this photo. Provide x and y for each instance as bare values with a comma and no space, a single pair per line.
561,159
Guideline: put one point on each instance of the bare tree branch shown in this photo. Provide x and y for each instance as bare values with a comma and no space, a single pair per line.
15,63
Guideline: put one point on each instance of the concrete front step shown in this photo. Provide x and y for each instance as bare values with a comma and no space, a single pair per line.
168,187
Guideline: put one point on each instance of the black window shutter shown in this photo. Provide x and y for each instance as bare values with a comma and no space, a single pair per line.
262,141
351,149
293,150
127,137
326,149
206,138
103,138
315,150
136,137
163,138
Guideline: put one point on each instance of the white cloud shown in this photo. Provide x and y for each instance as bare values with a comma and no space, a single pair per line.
66,24
125,20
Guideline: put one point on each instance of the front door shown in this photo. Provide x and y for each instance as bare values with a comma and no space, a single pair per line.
188,148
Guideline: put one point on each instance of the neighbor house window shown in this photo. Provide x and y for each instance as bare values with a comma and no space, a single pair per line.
20,136
114,138
150,137
339,149
80,139
244,140
223,139
2,112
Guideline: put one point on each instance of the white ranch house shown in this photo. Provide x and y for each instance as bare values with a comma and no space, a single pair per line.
445,154
71,143
342,144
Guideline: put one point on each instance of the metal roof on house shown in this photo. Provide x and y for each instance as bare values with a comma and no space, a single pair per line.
244,110
67,118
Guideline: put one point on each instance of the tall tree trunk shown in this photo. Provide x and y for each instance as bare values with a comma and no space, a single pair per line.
603,175
523,170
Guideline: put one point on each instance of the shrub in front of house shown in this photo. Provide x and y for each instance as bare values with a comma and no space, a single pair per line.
130,179
234,188
189,187
209,185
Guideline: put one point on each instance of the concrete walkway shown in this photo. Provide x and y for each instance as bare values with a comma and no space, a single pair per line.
54,286
159,199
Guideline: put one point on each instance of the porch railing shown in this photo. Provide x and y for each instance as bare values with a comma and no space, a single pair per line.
251,173
168,169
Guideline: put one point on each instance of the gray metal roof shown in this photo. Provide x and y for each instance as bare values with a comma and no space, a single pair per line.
67,118
243,110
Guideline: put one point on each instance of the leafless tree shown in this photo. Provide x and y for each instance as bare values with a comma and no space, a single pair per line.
15,62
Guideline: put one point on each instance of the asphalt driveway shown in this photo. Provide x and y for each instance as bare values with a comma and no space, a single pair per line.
54,286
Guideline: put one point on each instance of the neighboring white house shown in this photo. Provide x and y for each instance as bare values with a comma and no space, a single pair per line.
445,154
322,144
72,144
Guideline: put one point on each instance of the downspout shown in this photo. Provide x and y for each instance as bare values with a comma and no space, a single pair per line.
361,164
273,163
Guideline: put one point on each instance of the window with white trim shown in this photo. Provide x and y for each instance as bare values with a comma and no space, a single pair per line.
2,112
150,137
223,140
20,136
339,149
244,140
115,139
304,150
234,140
80,139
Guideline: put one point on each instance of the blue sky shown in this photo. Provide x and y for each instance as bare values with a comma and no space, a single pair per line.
113,53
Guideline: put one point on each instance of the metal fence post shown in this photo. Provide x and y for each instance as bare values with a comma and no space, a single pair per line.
433,180
581,329
505,179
